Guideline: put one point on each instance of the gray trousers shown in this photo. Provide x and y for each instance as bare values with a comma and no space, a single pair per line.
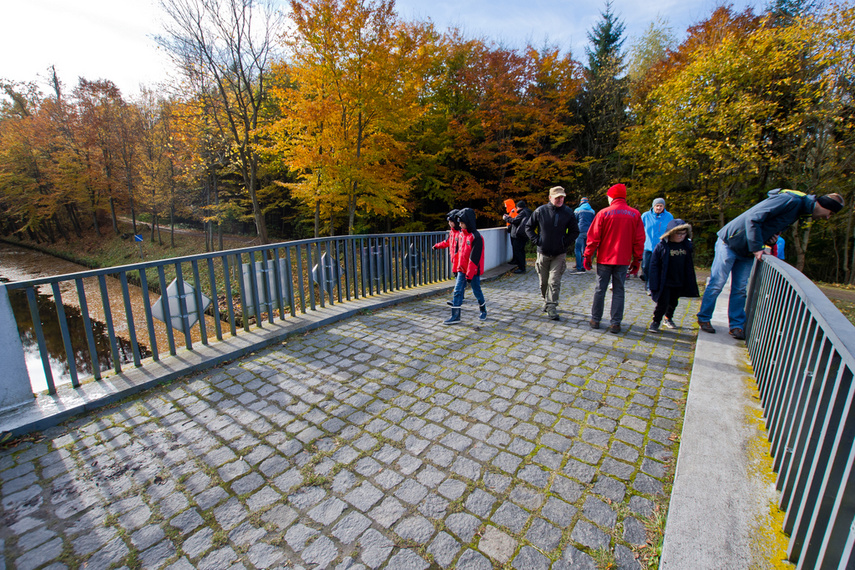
617,275
550,268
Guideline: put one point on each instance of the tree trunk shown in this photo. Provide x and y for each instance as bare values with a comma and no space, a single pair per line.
317,217
113,215
172,225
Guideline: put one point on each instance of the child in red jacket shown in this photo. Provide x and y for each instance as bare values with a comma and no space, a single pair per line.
471,264
452,242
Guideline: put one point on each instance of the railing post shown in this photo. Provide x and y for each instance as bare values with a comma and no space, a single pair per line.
751,297
15,387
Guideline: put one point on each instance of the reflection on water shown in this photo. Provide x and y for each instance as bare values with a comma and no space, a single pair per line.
54,344
21,264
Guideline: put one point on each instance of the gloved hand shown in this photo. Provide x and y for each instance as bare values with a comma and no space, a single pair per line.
433,246
468,281
633,268
586,263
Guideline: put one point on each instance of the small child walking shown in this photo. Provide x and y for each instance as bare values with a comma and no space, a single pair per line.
672,272
471,264
452,242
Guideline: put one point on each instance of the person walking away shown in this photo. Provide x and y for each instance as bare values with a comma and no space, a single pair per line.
518,235
452,242
655,222
471,267
672,273
616,237
584,216
552,228
741,241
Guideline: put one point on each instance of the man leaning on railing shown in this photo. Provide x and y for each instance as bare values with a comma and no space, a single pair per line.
743,239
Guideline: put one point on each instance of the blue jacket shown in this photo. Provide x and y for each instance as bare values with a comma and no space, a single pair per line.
584,216
750,230
654,226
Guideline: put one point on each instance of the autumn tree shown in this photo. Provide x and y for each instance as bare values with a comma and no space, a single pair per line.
225,48
357,72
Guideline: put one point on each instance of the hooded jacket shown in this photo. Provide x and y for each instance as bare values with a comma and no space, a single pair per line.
472,248
654,226
453,241
584,216
518,224
552,229
616,235
751,229
659,263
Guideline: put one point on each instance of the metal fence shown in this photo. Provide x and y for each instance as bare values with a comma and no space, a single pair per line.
803,353
223,291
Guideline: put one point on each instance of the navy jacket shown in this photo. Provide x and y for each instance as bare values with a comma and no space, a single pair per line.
749,231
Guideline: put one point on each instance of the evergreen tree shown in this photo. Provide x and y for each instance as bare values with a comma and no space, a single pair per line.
602,105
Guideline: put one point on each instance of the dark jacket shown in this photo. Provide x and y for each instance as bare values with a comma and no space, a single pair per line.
749,231
518,224
659,264
584,216
472,249
552,229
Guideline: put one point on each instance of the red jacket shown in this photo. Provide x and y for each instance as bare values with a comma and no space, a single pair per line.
616,235
472,254
453,242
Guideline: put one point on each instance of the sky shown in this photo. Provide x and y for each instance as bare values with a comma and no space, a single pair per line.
114,39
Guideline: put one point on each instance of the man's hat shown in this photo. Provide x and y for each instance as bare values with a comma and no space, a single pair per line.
556,191
616,191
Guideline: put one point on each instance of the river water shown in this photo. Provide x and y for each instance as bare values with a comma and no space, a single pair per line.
18,264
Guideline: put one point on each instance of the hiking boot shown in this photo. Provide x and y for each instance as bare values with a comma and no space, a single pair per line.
654,327
594,324
553,314
454,319
518,271
738,334
483,307
706,326
669,323
614,329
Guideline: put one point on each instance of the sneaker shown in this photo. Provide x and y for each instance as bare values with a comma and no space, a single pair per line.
614,329
669,323
553,314
594,324
654,327
518,271
706,326
738,334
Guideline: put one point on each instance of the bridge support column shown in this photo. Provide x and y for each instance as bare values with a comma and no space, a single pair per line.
15,387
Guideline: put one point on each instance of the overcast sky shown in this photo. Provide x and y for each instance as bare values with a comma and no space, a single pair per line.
112,39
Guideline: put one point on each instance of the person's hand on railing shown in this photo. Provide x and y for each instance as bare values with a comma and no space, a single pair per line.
758,254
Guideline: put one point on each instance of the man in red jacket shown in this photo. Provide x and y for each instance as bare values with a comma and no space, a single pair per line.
616,236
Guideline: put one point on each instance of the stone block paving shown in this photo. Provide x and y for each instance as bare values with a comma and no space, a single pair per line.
384,441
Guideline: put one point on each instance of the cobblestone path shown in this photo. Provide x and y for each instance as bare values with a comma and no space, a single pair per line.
384,441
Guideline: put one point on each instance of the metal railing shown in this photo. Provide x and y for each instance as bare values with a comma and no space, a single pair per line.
803,353
224,292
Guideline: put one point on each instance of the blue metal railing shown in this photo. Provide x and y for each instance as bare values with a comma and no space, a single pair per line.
803,353
271,282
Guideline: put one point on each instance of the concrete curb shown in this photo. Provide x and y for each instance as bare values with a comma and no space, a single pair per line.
721,503
47,411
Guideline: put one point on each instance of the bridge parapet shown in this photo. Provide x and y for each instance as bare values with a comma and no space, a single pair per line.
803,353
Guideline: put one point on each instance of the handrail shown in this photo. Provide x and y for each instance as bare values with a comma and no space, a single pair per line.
802,350
239,288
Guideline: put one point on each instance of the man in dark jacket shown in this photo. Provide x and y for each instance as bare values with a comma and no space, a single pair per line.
518,236
552,228
741,242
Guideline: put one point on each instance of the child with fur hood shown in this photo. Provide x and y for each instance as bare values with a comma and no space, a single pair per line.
672,272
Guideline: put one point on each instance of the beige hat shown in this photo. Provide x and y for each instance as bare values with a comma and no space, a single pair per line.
556,191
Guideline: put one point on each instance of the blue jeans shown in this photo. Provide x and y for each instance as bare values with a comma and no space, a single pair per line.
580,249
727,263
645,268
616,274
460,286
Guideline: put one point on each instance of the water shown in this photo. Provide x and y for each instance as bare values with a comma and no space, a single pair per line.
17,264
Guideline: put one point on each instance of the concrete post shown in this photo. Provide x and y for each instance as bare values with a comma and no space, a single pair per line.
15,387
497,247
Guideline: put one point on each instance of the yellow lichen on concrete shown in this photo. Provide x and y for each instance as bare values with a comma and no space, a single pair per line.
768,542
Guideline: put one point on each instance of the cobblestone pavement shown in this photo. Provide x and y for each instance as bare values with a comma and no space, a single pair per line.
384,441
